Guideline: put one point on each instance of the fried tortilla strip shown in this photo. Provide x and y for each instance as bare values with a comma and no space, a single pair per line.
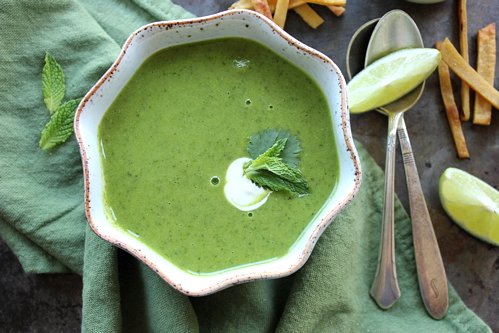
463,43
451,108
468,74
486,65
262,6
309,15
242,4
281,11
337,10
295,3
272,5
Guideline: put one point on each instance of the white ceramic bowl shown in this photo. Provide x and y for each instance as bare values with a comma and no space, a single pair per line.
156,36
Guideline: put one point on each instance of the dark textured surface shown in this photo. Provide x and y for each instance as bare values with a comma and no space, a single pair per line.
37,303
51,303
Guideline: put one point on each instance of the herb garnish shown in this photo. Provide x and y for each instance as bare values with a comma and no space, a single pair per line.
60,126
53,84
275,162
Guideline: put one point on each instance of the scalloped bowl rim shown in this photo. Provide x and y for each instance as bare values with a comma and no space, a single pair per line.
91,108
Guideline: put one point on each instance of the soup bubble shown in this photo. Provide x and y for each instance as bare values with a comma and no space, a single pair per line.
215,180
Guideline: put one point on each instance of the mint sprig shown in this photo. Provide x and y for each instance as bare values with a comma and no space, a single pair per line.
275,183
53,84
276,168
60,126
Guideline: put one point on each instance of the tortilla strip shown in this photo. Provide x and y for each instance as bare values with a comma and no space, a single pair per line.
242,4
468,74
295,3
451,108
486,65
281,11
337,10
463,42
272,4
309,15
262,6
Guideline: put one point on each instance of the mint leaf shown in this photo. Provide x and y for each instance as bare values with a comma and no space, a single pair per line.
275,183
270,170
261,163
282,170
275,150
271,153
53,85
274,165
262,141
60,126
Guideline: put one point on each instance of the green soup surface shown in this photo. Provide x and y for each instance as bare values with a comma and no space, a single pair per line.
183,117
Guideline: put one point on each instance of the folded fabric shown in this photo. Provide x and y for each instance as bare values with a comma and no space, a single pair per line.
42,218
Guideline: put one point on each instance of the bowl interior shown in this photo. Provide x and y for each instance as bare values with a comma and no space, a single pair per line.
154,37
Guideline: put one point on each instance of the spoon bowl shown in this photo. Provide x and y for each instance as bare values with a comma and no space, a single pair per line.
357,48
384,41
357,54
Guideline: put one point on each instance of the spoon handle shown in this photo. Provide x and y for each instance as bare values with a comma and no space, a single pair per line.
385,289
431,272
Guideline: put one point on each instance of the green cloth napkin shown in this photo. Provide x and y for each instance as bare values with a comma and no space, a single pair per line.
42,218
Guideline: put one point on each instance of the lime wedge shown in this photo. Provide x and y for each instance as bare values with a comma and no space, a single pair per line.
390,78
471,203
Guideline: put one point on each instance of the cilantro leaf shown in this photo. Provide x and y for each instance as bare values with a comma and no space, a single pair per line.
271,153
262,141
53,83
60,126
270,170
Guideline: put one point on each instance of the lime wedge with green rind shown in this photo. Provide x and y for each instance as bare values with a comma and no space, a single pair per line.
391,77
471,203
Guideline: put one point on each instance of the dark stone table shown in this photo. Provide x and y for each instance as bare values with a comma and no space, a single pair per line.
51,303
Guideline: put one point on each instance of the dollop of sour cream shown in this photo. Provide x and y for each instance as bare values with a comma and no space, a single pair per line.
240,191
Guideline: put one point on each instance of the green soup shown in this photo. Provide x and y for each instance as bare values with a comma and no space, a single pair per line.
184,116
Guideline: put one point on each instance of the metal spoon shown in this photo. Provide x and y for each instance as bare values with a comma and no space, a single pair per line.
388,36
